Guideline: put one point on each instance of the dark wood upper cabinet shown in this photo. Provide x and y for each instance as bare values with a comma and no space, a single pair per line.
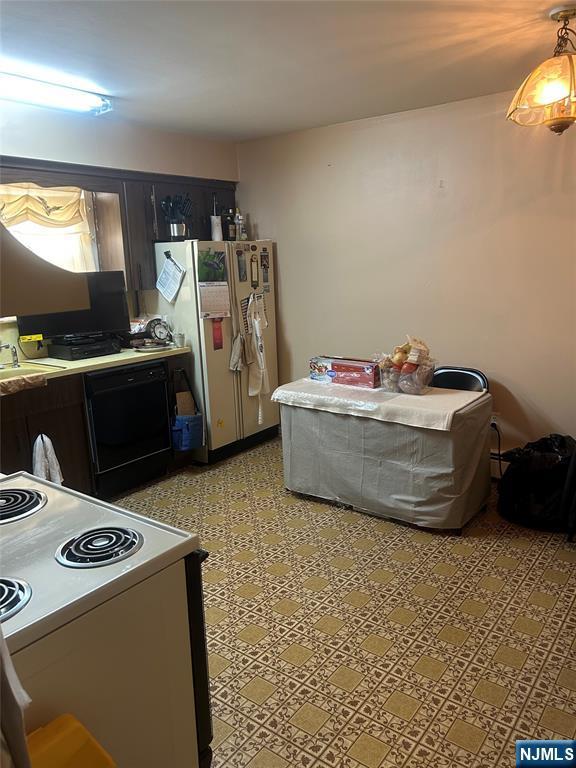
201,199
110,238
142,220
192,195
141,231
49,176
225,199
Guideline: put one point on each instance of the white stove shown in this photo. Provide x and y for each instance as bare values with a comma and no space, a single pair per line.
73,551
84,581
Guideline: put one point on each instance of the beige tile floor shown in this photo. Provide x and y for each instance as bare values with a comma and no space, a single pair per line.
337,639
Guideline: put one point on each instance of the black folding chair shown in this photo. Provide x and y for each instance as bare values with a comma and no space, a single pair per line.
448,377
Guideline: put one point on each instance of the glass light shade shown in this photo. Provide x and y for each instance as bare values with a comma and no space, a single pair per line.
548,95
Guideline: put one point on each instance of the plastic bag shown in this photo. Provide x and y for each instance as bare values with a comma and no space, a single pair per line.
389,374
530,491
408,369
390,379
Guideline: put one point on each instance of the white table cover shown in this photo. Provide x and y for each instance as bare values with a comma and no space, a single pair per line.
430,476
434,409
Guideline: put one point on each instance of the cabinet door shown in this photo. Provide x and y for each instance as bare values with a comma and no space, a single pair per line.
62,175
141,231
106,207
15,448
225,198
66,427
194,221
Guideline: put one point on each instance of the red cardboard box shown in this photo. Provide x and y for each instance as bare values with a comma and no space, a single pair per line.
345,370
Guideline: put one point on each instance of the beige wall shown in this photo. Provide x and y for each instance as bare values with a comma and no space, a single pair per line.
106,141
448,223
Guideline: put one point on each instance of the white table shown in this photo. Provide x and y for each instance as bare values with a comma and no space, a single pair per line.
367,449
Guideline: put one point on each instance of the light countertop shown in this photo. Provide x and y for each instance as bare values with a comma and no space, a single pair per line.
55,368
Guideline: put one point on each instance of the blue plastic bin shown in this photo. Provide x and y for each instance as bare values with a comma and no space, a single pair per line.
188,432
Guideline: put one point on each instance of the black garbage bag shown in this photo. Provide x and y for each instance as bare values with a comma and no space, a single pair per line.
530,491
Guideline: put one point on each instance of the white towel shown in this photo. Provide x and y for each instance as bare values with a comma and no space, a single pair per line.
258,381
44,461
14,699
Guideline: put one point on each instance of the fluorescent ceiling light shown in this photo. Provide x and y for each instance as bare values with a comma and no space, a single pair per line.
47,74
43,93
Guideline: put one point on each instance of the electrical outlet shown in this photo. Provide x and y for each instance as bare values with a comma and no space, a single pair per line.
495,418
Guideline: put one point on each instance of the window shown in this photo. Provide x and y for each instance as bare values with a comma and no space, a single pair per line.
56,223
66,247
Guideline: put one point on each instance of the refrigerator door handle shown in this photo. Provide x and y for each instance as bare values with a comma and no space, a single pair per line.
239,323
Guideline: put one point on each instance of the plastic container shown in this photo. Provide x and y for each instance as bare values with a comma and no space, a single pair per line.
415,382
390,378
65,743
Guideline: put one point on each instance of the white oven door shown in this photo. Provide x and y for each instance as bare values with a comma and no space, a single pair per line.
124,670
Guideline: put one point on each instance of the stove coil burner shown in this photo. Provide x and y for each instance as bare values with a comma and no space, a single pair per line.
14,594
17,503
99,546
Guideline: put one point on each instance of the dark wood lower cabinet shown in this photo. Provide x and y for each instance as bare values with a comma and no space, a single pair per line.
66,428
15,450
57,411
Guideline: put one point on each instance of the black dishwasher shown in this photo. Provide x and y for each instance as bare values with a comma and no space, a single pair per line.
129,423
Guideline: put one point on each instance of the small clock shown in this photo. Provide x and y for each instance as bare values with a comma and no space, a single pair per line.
158,330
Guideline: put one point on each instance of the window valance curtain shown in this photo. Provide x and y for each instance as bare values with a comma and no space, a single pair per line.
49,207
52,222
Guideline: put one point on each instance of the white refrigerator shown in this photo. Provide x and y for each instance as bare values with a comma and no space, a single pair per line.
223,285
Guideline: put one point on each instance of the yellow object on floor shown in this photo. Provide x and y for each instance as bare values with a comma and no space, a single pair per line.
65,743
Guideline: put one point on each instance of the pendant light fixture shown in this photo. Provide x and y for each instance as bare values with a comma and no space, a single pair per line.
548,95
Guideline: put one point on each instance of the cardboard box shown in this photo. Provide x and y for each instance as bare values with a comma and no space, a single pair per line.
355,372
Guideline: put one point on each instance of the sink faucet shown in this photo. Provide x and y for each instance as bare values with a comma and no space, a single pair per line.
12,348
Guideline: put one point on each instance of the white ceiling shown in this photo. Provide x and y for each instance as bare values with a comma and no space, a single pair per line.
246,69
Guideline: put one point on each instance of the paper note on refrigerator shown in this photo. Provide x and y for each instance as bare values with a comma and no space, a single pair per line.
213,283
214,300
170,278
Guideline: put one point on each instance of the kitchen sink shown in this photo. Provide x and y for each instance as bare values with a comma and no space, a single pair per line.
26,369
